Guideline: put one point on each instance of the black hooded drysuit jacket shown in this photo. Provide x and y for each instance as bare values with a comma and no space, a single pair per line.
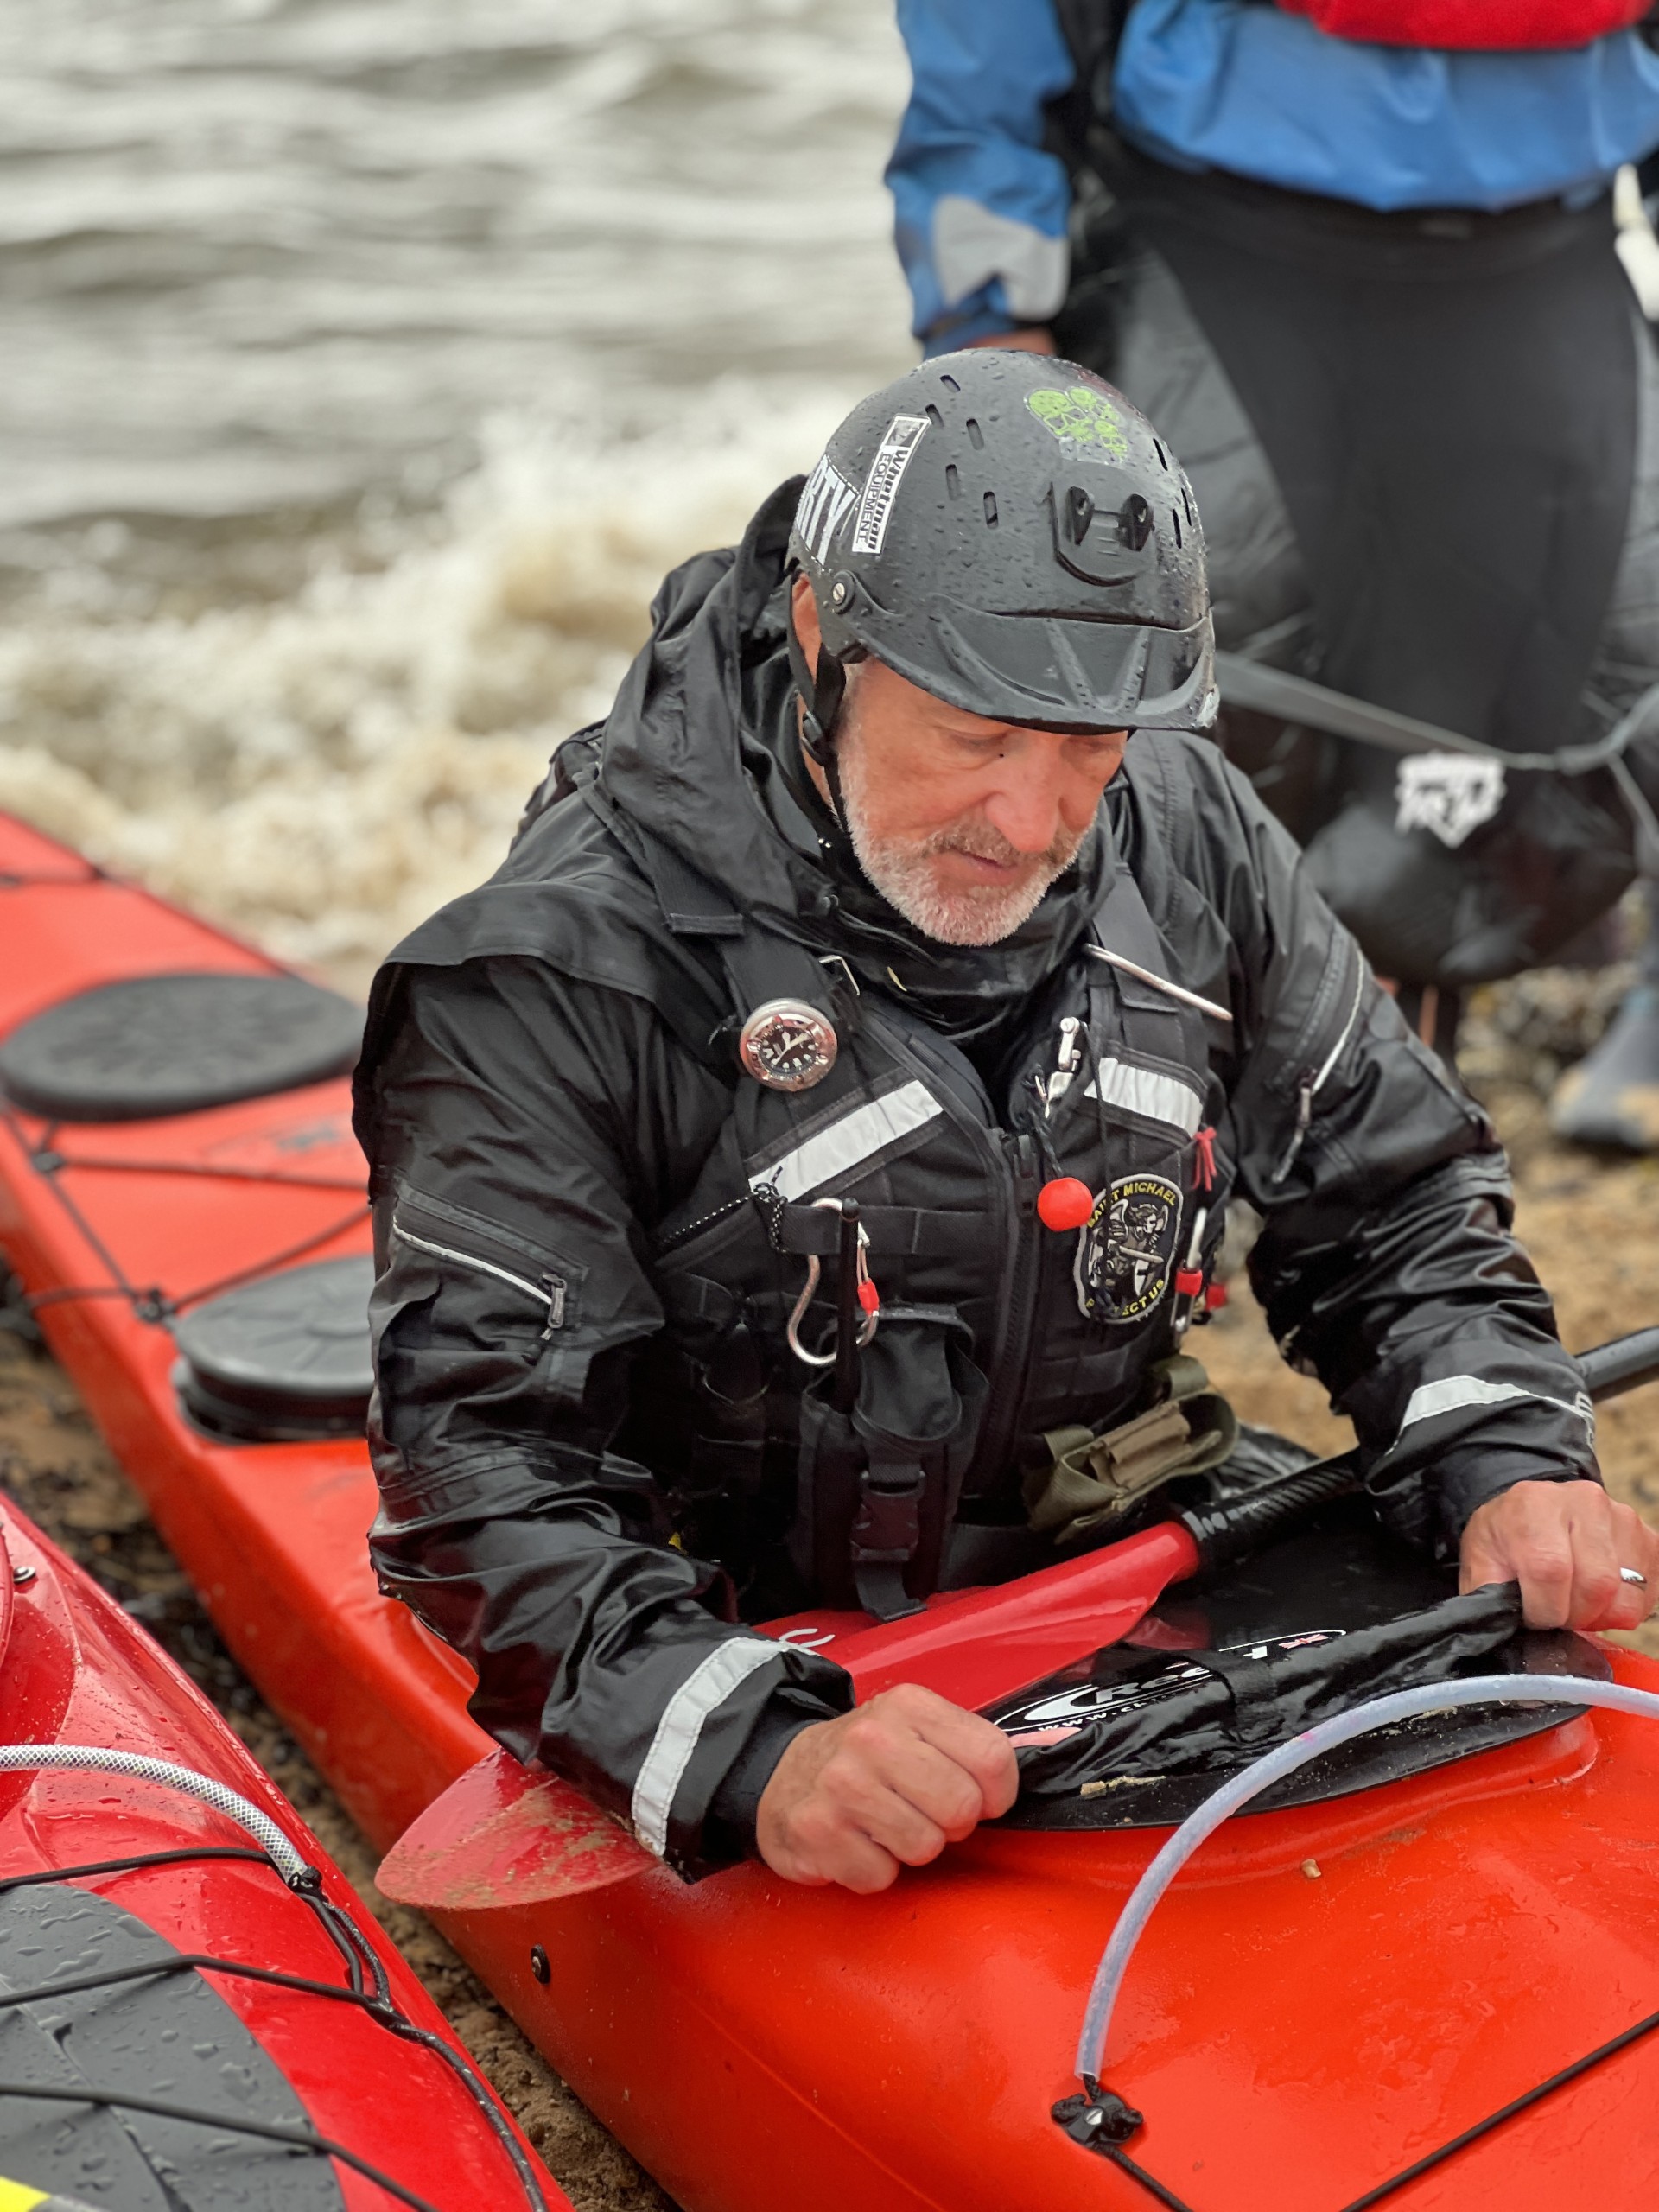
598,1455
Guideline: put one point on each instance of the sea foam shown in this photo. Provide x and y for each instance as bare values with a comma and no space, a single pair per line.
320,773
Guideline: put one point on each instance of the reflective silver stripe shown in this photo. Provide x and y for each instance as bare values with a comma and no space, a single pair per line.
1159,1097
728,1666
1454,1392
834,1152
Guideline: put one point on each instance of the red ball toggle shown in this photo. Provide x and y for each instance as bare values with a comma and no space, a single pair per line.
1065,1203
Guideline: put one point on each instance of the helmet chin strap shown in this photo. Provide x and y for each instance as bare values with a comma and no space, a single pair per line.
821,698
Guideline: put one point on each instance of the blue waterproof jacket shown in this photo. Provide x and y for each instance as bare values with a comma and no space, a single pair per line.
981,205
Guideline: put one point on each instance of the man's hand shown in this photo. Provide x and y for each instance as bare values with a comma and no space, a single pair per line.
1564,1543
889,1783
1029,338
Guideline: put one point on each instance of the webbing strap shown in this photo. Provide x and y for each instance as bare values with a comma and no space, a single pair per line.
881,1588
1253,1684
759,963
692,906
890,1232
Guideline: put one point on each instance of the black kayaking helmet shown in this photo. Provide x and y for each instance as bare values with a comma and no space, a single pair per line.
1005,530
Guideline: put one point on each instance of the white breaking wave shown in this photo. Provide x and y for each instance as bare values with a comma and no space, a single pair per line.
265,258
319,773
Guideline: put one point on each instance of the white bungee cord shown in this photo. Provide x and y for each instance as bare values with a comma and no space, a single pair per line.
96,1758
1288,1759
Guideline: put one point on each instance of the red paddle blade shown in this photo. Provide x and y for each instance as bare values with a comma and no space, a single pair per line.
506,1835
982,1647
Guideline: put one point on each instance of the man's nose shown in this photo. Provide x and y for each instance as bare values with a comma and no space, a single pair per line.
1028,805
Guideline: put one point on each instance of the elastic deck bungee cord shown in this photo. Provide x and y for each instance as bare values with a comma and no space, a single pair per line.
151,1303
304,1881
1104,2122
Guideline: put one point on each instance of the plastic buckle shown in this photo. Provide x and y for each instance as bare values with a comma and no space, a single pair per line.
888,1522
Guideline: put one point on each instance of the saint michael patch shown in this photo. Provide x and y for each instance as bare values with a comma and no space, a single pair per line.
1126,1249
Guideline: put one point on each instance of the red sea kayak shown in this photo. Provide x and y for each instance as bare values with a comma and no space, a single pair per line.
196,2013
1332,1990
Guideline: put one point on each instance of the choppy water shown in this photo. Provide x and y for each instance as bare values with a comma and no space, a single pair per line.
367,361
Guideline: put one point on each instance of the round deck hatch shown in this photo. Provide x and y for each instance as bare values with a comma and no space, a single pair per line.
283,1360
158,1045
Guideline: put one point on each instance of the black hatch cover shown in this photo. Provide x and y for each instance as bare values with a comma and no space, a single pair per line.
282,1360
159,1044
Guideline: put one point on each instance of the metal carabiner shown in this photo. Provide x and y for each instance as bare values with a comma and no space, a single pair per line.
867,1298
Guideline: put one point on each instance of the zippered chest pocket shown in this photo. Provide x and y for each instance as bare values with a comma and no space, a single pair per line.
529,1288
1121,1108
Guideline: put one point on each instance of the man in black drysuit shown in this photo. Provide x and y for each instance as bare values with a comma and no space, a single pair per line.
860,893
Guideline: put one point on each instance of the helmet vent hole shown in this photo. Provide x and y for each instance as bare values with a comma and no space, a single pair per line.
952,479
975,436
990,510
1163,458
1187,501
934,416
1175,516
950,384
1134,523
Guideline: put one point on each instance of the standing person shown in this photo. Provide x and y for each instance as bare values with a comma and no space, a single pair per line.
1363,274
864,892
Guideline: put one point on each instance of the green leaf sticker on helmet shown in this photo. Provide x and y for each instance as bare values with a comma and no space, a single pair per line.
1081,417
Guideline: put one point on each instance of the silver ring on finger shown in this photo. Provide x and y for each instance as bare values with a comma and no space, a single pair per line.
1630,1574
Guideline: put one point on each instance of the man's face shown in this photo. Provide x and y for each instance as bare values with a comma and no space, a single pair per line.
960,824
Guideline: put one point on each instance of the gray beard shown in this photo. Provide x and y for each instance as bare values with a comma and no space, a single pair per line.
902,871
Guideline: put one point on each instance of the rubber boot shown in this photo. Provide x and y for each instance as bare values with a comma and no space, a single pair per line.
1612,1098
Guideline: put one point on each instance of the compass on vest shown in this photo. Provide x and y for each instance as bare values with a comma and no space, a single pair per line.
787,1045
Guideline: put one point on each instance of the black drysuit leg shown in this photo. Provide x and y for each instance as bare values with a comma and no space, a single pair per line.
1419,437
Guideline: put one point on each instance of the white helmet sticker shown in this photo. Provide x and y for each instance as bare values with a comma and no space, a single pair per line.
826,501
905,433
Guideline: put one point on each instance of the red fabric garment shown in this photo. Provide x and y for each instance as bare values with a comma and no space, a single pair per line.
1490,24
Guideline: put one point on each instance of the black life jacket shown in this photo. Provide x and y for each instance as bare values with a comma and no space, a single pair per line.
992,1329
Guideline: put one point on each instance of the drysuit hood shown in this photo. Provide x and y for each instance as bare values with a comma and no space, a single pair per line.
700,752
